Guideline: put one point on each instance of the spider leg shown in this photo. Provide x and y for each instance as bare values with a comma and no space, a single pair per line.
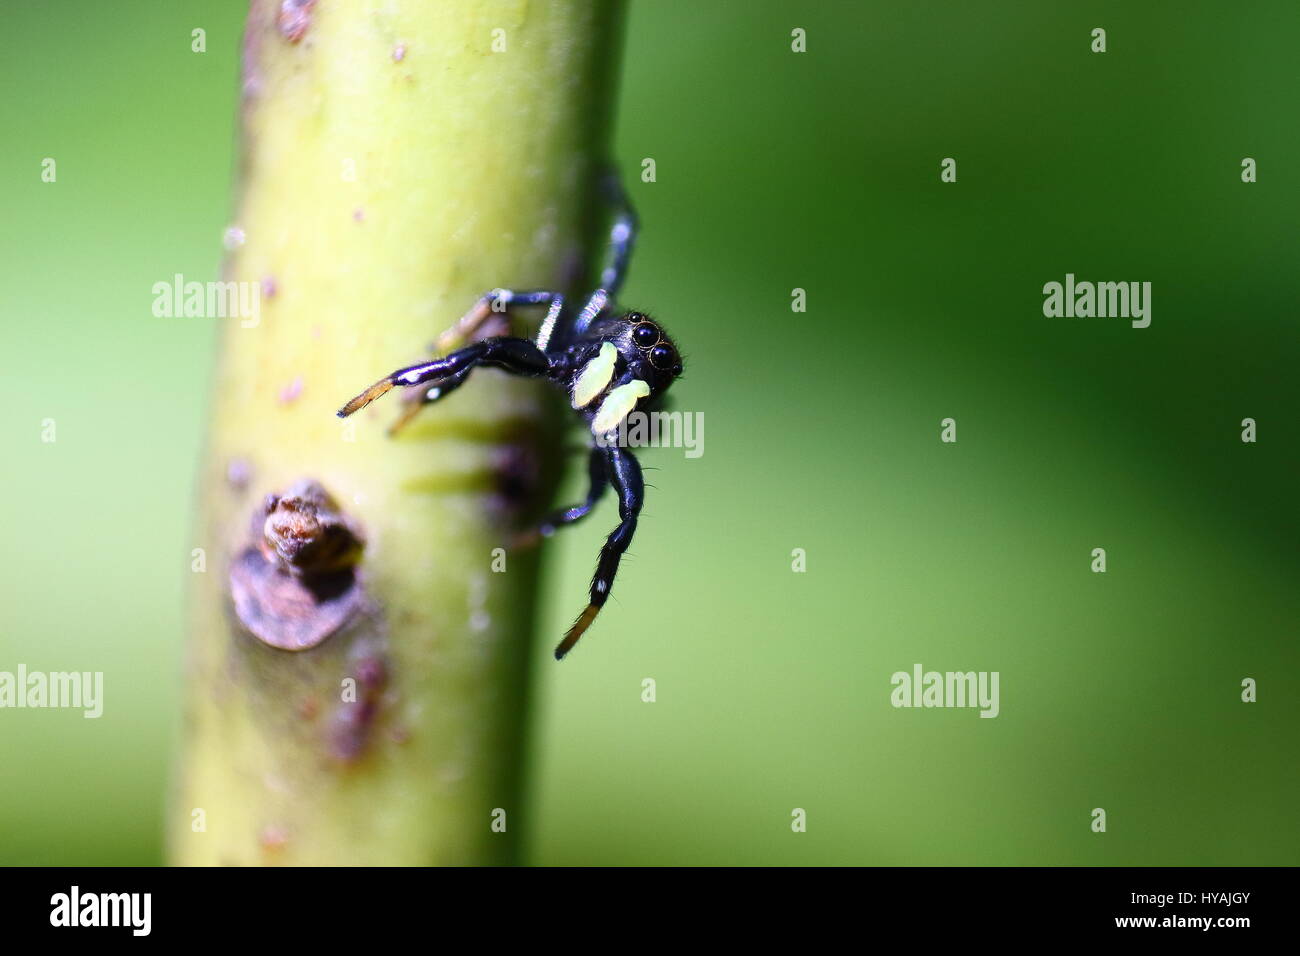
598,475
622,237
548,324
625,475
598,481
415,399
516,356
595,305
494,302
487,318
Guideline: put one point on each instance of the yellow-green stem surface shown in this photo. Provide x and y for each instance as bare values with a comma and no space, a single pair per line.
399,158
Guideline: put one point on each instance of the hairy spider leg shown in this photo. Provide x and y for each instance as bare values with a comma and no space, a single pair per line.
516,356
598,478
625,475
490,303
622,237
416,400
547,328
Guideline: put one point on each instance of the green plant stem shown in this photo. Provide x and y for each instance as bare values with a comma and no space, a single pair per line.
394,167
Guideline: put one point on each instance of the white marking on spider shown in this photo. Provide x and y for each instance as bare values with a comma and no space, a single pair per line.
595,376
617,404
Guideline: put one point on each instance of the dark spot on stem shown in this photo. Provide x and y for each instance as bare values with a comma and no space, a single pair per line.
307,534
273,838
516,474
238,473
353,719
294,19
299,583
290,393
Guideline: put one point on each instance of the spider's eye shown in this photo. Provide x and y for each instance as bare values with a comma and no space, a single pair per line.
645,335
677,369
663,357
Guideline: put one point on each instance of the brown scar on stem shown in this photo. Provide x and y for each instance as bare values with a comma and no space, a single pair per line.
238,473
299,582
353,720
292,391
517,474
250,61
273,838
294,18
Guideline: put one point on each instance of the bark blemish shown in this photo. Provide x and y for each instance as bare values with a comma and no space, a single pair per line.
273,838
238,473
516,476
307,533
289,394
299,583
355,716
294,19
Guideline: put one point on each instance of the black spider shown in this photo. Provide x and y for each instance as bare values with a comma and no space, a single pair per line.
608,361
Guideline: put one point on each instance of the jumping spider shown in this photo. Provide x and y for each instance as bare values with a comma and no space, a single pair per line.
608,362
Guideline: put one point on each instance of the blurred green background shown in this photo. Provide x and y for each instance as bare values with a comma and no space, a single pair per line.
776,170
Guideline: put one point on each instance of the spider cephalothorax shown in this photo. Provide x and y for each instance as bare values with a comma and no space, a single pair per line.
609,363
619,362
